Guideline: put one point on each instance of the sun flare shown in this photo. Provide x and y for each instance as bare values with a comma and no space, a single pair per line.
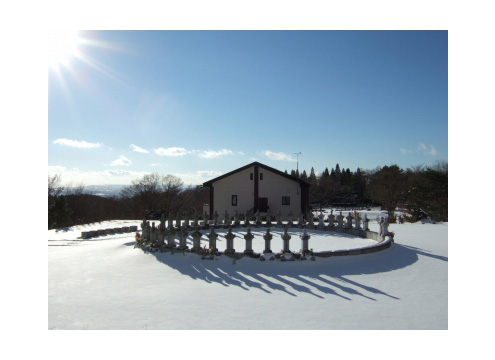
62,47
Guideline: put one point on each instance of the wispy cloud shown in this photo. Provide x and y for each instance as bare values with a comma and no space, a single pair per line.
198,177
138,149
52,169
173,151
121,161
280,156
421,149
76,143
209,154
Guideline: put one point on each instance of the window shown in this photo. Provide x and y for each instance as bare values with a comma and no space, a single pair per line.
234,200
285,200
251,176
261,176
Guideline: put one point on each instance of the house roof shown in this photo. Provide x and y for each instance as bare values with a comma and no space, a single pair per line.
263,166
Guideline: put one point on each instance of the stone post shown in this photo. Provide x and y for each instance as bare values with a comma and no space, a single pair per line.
289,223
246,219
268,237
162,231
304,242
321,223
196,219
286,237
230,242
226,219
340,221
183,239
236,219
357,219
331,218
385,228
171,238
311,223
258,218
212,236
279,219
365,222
300,221
249,242
186,219
196,235
348,225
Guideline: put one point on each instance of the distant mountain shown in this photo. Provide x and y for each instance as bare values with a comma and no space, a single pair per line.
104,190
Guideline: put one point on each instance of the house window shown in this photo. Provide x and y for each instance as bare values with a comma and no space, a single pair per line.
234,200
251,176
285,200
261,176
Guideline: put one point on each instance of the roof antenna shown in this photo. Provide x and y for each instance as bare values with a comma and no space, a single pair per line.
297,157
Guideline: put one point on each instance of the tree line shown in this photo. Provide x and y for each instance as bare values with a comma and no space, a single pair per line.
422,190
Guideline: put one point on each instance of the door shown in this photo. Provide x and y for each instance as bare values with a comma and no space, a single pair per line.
263,204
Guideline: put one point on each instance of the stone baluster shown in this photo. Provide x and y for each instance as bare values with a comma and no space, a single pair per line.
205,220
226,219
365,222
212,236
279,219
357,220
178,221
170,224
162,231
268,219
258,218
385,228
348,225
215,219
340,221
268,237
196,219
186,219
196,235
311,223
321,222
331,220
290,216
304,242
246,219
143,228
236,219
230,242
286,237
249,242
300,220
148,232
171,238
183,239
380,223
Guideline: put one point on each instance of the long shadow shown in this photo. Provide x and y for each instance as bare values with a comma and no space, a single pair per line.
275,276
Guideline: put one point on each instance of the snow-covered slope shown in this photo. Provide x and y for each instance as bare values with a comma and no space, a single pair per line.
106,283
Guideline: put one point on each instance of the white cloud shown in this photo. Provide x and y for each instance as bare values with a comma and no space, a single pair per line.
121,161
209,154
280,156
138,149
421,149
78,144
433,151
53,169
173,151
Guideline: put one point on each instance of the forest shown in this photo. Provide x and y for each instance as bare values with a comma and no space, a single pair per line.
421,190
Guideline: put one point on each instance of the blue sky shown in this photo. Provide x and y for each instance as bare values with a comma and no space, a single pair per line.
197,104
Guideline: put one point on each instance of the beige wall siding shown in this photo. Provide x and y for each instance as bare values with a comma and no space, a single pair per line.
273,187
237,184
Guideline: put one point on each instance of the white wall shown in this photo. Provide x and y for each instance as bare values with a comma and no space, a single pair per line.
273,187
237,184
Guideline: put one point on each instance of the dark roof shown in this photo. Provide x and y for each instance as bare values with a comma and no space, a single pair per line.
263,166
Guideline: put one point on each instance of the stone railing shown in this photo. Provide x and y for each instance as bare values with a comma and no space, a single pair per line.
153,238
119,230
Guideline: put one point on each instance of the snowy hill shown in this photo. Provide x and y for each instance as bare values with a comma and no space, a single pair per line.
106,283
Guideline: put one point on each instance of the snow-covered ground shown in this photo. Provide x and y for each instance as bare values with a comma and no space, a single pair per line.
106,283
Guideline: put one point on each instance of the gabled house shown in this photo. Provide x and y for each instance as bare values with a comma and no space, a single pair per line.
258,187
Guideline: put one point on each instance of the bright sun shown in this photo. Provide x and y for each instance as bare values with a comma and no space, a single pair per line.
62,46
